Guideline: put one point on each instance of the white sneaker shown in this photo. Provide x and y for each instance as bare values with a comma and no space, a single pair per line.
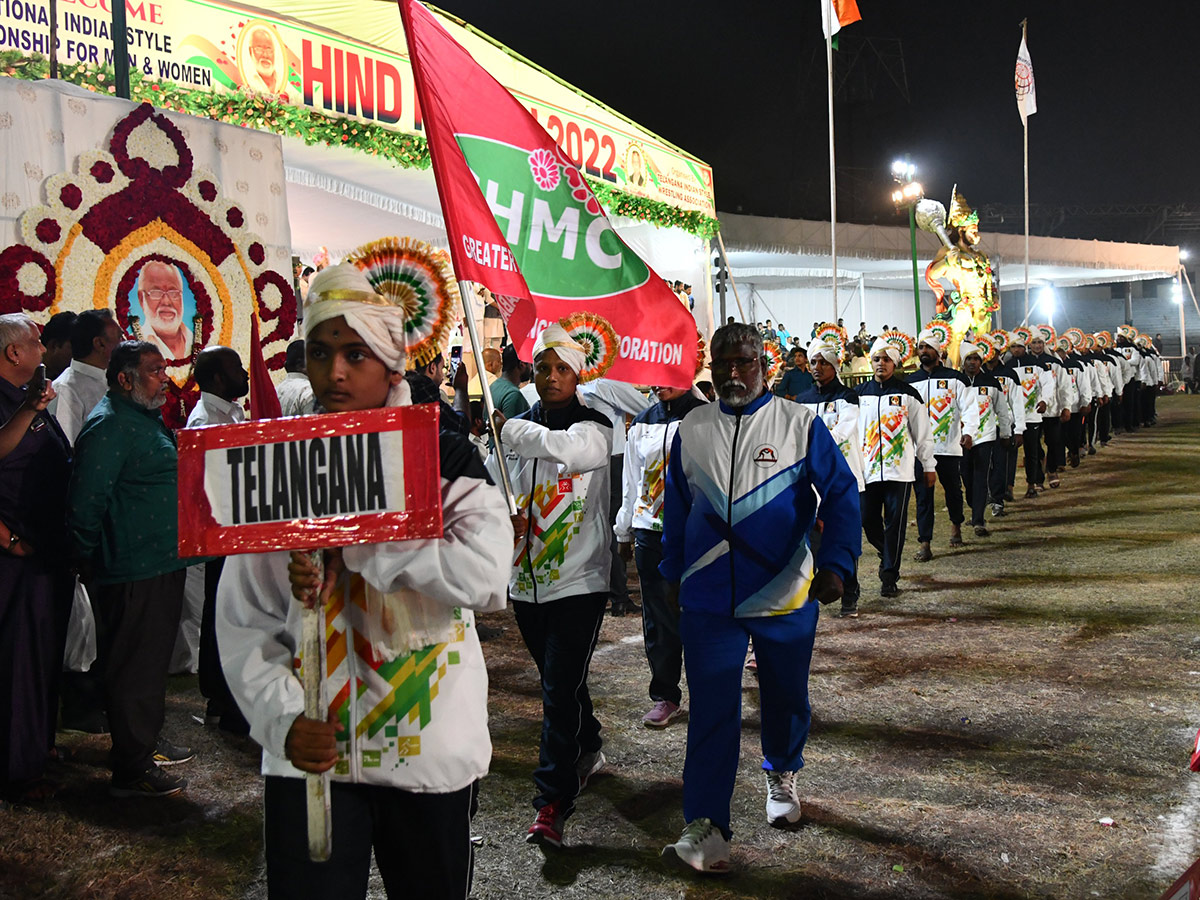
783,808
701,846
588,765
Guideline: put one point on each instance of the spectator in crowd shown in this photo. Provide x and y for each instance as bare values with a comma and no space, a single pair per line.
558,456
750,577
295,391
691,300
796,380
425,384
122,523
414,808
56,338
639,532
769,333
506,390
222,380
35,585
615,400
493,363
863,335
94,336
785,336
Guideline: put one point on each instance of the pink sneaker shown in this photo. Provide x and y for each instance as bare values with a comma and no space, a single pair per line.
662,714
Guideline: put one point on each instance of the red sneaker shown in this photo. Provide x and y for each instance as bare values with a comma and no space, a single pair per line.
547,828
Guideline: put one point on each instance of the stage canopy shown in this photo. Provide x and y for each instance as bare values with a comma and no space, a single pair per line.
784,264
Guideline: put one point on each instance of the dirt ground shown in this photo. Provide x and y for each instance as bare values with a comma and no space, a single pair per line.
971,737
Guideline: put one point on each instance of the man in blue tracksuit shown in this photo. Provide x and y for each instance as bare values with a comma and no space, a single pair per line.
748,479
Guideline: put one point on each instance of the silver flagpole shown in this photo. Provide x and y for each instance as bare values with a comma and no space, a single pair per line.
827,21
1025,129
466,291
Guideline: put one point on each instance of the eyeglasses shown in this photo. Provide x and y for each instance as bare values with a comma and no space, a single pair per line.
738,363
157,295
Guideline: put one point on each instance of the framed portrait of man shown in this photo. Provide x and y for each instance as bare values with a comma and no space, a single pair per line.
261,58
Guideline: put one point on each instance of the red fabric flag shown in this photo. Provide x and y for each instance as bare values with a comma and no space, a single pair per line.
264,401
523,222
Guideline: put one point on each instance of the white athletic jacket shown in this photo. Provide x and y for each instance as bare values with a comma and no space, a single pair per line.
893,425
1014,398
995,418
952,411
558,464
836,405
1037,385
418,722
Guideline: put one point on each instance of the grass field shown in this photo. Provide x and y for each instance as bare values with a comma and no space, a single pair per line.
969,735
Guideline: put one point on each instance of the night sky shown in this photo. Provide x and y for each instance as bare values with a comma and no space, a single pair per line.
742,86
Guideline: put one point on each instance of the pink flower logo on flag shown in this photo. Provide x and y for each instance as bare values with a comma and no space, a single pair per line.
544,167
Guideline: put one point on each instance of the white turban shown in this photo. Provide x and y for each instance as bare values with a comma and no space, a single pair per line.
569,350
343,290
883,346
929,337
1016,339
966,348
826,350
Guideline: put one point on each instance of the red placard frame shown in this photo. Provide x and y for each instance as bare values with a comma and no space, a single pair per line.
201,535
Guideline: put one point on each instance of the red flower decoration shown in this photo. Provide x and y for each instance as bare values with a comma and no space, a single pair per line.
204,306
12,298
47,231
257,253
208,190
102,171
234,217
71,196
284,311
174,176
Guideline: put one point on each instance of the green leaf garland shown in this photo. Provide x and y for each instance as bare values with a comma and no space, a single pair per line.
238,107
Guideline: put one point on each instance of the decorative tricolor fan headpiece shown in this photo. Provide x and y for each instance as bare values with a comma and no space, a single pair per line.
1104,339
1045,332
902,342
774,354
832,333
940,330
1024,331
1075,336
1127,331
599,340
416,277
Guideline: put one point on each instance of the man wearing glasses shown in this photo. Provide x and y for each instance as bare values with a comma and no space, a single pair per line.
160,293
748,478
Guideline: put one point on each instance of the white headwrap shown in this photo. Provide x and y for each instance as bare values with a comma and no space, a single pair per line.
556,338
930,338
883,346
1015,339
826,350
966,348
343,290
403,621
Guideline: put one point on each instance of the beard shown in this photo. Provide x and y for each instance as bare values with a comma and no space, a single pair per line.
928,357
145,399
738,393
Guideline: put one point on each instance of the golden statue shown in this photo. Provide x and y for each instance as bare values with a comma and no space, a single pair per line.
969,305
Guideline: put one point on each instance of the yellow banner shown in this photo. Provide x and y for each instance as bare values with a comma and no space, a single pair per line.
310,54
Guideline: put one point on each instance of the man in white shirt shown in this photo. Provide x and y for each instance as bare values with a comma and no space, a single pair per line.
222,380
295,392
94,335
614,400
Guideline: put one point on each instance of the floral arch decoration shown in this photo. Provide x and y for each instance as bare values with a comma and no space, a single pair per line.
143,201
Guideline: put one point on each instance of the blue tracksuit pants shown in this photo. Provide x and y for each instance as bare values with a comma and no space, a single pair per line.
714,650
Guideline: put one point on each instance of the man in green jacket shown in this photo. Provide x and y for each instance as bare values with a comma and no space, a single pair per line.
122,513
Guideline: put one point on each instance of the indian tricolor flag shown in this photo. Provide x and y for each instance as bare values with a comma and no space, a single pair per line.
836,13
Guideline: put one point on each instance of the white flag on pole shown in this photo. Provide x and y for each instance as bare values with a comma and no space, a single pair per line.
1026,90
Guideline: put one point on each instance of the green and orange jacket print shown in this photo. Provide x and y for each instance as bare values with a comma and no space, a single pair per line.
894,428
558,463
417,721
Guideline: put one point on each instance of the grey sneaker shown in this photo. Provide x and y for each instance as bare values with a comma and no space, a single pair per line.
167,754
153,782
783,807
589,764
701,846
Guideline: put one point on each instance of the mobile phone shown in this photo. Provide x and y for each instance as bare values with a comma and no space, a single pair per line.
37,384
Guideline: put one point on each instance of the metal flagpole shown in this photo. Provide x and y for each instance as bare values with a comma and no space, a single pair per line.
827,19
729,274
1025,130
312,654
466,291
